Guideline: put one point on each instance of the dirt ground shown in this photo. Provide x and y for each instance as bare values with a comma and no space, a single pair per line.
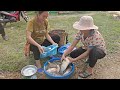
106,68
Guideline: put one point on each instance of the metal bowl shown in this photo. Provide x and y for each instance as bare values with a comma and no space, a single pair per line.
29,70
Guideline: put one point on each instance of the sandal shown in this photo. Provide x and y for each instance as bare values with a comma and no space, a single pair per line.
84,74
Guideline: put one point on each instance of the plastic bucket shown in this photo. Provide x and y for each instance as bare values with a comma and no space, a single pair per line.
50,76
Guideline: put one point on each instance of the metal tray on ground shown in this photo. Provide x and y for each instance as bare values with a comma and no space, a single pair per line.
29,70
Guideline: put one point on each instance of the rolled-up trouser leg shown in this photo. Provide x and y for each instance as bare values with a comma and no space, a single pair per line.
35,51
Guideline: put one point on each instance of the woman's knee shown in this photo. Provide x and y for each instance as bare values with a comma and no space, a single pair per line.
97,53
94,55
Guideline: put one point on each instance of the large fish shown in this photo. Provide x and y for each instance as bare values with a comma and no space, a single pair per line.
54,68
67,70
64,65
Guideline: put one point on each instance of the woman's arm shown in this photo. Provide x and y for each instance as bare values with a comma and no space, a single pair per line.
82,56
71,47
29,38
32,41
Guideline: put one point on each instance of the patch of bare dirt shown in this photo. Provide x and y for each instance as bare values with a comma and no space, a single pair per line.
108,68
9,75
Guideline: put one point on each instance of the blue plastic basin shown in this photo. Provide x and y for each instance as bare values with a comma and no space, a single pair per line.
62,49
50,76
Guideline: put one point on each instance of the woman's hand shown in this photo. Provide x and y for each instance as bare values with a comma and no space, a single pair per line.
70,59
41,50
55,44
63,57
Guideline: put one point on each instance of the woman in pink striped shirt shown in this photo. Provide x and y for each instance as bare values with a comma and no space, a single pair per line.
93,45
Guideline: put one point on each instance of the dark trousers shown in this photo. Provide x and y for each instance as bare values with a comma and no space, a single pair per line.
46,43
2,32
94,55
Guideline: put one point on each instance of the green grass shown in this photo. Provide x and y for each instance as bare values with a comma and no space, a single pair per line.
11,51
